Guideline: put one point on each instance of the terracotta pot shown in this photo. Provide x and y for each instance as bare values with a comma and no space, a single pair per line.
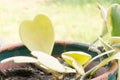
105,73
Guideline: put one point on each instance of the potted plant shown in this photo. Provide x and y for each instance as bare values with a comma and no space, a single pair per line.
78,61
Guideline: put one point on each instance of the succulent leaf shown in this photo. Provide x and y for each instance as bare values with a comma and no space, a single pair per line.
113,20
38,35
76,59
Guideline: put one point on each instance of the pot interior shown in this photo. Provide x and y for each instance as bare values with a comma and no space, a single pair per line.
59,47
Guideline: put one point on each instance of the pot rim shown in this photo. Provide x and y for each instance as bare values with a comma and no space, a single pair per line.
10,47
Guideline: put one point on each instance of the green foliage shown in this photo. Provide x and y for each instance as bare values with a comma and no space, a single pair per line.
82,2
38,36
114,20
76,59
113,26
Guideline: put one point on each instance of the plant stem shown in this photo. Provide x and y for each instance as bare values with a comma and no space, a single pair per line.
103,63
108,52
95,49
87,74
55,74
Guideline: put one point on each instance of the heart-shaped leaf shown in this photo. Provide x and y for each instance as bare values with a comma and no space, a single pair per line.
38,35
113,20
76,59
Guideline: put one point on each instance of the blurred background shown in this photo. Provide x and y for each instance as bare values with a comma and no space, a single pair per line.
73,20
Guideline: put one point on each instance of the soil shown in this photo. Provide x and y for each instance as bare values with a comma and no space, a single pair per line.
32,72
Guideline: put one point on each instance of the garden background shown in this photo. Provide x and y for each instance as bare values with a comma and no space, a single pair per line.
73,20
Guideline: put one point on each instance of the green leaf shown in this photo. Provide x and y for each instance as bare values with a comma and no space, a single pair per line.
76,59
38,35
20,59
113,20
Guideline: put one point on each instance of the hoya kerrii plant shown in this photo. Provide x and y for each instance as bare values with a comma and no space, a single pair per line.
38,36
111,28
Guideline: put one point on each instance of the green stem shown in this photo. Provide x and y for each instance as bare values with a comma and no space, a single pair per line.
103,63
100,55
92,71
95,49
87,74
